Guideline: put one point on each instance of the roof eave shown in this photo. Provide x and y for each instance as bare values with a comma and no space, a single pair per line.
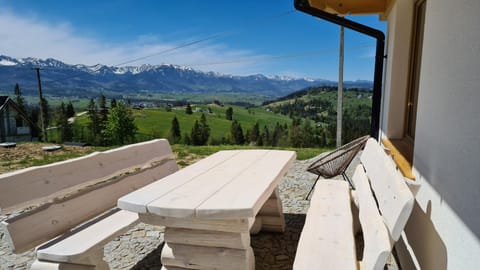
350,7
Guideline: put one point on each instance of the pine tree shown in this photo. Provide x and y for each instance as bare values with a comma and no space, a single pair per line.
205,129
255,133
174,134
229,113
70,110
94,126
265,137
113,103
103,111
19,100
188,109
196,134
237,133
66,133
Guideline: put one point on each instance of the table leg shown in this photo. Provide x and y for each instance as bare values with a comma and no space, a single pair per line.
271,214
194,243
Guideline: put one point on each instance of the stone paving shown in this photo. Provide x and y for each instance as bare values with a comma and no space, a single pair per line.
140,247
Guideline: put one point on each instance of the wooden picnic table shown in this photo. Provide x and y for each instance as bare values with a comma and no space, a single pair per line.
210,208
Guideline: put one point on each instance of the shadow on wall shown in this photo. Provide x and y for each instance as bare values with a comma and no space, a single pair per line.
426,243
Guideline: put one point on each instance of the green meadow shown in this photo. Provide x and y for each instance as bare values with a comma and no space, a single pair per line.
157,122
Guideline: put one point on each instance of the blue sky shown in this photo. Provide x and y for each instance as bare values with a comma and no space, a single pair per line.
266,37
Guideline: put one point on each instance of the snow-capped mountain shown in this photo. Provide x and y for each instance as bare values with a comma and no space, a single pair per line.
59,78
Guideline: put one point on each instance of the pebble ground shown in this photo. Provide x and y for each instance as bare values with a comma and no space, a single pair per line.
140,247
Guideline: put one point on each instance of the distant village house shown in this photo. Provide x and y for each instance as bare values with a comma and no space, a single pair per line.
14,124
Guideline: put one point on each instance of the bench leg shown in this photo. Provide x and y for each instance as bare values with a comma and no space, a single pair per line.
42,265
92,262
271,214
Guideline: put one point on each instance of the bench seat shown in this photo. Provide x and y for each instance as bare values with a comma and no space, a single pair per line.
327,240
81,244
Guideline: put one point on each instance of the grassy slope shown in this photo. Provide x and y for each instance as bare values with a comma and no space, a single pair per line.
157,122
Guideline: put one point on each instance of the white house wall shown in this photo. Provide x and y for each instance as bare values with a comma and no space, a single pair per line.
444,230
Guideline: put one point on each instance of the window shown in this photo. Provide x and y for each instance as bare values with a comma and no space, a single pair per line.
402,148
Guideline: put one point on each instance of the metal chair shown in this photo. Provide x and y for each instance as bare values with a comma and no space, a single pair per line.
337,161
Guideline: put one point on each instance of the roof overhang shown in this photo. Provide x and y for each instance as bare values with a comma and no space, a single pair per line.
352,7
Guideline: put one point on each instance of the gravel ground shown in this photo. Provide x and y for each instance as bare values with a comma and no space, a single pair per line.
140,247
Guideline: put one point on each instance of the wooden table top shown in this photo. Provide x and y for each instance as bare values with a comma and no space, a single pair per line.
227,184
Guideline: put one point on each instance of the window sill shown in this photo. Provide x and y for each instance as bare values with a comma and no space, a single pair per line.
401,151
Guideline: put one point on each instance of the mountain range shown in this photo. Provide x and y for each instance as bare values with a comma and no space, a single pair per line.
61,79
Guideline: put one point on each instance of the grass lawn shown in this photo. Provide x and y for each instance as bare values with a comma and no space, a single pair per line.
157,122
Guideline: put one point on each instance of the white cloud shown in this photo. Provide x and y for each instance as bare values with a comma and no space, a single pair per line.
31,37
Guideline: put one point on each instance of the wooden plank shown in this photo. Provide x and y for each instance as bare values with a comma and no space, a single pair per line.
207,238
195,257
245,195
377,242
172,268
35,184
57,217
222,225
273,206
273,223
183,200
327,240
82,246
394,198
137,201
256,226
403,162
269,208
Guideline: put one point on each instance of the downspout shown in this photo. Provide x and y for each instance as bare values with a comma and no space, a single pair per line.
304,6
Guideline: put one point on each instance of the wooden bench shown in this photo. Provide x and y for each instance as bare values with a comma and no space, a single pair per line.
73,201
327,240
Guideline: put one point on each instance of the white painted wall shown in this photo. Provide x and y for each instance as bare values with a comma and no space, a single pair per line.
444,230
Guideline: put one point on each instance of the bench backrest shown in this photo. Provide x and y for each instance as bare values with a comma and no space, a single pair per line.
103,177
19,188
394,198
383,225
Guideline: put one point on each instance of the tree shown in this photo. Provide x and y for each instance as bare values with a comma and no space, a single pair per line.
103,115
113,103
120,127
196,134
19,100
174,134
264,139
200,132
255,133
70,110
229,113
237,133
66,133
95,125
188,109
205,129
278,135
